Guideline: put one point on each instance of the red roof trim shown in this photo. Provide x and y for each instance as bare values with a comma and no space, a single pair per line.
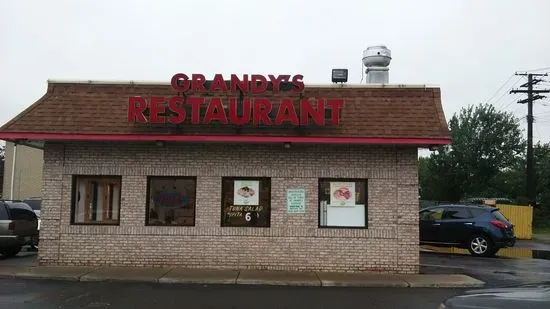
224,138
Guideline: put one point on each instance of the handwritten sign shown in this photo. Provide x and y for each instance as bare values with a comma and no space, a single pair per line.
296,201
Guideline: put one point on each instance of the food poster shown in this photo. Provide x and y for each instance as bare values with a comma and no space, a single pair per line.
342,194
246,192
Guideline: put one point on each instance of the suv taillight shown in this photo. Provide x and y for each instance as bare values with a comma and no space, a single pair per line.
11,226
499,224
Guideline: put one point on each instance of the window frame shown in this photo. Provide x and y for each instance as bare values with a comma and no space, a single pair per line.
148,200
74,183
233,178
365,180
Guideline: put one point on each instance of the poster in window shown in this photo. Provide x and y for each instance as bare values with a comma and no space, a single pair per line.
342,194
246,192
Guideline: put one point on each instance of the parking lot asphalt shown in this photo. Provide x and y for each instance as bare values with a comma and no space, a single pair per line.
495,271
45,294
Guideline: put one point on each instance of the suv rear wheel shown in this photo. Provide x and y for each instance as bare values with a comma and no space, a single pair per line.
481,245
11,252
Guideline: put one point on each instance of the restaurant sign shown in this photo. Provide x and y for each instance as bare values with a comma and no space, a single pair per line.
237,101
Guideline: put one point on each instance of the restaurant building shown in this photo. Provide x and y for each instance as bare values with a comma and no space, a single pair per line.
231,172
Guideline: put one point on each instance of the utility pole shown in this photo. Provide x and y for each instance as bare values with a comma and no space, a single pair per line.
532,96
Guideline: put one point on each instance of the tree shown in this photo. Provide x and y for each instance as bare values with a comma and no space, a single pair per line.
485,144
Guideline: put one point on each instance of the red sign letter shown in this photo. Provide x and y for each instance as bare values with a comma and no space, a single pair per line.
195,108
215,105
262,87
136,107
306,110
286,112
237,83
180,82
218,83
335,106
297,82
198,82
234,114
277,81
175,106
262,108
157,110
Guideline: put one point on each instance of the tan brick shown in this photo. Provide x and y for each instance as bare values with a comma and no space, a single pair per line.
293,242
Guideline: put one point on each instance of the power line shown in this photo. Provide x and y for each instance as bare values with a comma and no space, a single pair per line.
514,99
507,92
517,109
500,88
539,69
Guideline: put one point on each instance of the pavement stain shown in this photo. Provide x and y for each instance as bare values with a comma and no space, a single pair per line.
518,253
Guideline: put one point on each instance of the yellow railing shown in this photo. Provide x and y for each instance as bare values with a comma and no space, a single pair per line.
521,217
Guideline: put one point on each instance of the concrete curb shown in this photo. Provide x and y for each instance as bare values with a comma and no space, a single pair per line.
245,277
190,276
362,280
278,278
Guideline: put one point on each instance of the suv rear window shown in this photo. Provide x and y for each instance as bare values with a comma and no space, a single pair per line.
21,211
3,212
499,216
476,212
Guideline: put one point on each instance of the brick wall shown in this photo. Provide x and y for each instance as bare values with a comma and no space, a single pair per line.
293,242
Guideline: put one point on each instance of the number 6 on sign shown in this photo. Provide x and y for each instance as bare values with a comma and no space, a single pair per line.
247,216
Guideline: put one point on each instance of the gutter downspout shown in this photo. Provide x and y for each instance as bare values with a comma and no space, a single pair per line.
12,181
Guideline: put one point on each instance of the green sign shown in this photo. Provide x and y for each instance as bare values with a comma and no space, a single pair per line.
296,201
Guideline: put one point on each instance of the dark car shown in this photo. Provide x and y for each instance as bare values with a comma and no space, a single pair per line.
18,225
483,230
503,298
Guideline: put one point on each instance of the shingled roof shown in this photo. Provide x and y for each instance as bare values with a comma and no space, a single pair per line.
98,111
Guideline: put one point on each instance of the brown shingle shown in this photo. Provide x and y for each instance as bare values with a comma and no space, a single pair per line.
96,108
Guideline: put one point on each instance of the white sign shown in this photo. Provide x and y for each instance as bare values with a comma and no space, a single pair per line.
246,192
296,201
342,194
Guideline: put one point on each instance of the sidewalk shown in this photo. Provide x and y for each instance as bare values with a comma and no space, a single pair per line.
248,277
543,238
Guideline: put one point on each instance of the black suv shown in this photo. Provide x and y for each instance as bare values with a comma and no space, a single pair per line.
18,225
483,230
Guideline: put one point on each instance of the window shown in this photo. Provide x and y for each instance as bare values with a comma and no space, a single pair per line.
476,212
3,212
171,201
456,213
432,214
96,199
343,203
246,201
21,211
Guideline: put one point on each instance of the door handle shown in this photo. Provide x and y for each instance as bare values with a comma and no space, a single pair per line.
468,223
436,224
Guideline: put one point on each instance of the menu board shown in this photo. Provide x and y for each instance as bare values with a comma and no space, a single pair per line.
246,192
342,194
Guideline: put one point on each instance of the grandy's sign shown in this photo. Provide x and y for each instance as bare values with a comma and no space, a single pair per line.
236,107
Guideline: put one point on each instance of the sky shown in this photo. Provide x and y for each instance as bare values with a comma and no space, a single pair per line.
471,49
